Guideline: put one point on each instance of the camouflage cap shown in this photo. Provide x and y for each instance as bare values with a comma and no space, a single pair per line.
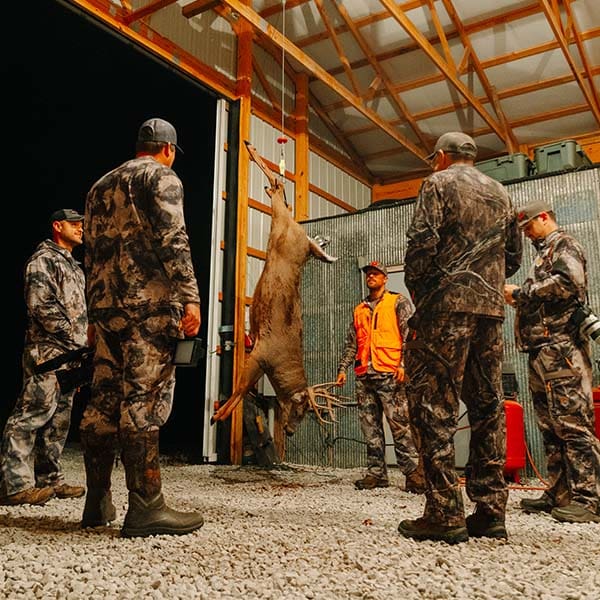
456,142
532,210
65,214
158,130
375,264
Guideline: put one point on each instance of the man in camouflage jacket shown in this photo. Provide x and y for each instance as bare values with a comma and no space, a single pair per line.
142,296
560,367
462,243
56,323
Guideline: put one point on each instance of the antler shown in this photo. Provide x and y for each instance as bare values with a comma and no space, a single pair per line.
321,390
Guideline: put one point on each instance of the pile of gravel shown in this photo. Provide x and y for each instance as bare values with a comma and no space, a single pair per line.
294,532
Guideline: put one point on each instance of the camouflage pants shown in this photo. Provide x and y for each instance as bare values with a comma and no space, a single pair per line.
459,356
38,428
560,382
377,395
134,378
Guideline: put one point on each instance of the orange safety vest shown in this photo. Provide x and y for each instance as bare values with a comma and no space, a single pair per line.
378,336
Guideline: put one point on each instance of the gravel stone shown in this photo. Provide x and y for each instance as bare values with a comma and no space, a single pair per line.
292,533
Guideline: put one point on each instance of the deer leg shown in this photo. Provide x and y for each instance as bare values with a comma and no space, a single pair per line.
251,374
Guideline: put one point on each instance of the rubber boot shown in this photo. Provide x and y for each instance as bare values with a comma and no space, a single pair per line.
98,457
147,513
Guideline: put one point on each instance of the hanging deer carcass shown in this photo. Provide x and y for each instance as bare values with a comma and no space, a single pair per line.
276,316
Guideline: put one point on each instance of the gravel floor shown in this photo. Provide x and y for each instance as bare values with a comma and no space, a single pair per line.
295,532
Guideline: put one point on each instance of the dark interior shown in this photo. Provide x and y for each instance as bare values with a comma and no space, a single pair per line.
74,103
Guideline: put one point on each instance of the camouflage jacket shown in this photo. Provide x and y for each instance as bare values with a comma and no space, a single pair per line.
404,310
137,251
462,243
55,299
556,282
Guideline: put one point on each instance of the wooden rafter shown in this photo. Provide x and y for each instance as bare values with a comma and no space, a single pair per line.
338,135
554,22
149,9
473,27
511,141
338,47
491,62
582,53
267,87
382,76
432,53
441,35
311,66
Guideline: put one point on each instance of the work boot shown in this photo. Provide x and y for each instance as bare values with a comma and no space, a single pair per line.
69,491
482,525
32,495
415,481
545,503
369,482
422,529
98,457
147,513
575,513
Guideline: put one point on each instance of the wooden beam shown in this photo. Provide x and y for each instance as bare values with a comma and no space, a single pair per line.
442,34
160,46
431,52
337,134
315,69
582,53
338,47
302,148
244,90
509,136
382,76
564,46
267,87
149,9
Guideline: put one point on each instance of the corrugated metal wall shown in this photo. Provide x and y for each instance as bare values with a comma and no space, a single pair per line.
330,292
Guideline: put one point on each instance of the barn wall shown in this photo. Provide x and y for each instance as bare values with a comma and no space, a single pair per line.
329,293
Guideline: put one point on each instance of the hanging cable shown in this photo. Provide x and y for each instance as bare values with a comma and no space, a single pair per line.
282,139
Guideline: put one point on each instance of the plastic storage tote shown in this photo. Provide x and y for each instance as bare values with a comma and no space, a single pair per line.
505,168
561,156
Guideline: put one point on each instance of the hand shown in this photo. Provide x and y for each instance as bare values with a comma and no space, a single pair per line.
399,375
91,335
341,379
190,322
509,288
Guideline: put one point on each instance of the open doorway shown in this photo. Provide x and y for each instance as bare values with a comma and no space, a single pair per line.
75,101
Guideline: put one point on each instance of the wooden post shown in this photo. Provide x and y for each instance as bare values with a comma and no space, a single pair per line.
302,148
244,85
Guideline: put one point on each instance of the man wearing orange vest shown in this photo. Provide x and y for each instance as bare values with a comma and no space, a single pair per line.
374,344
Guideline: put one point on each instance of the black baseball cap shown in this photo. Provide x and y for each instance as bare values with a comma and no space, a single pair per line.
456,142
158,130
65,214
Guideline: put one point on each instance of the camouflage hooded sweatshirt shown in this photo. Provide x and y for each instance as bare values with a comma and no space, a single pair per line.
462,243
55,299
137,254
556,283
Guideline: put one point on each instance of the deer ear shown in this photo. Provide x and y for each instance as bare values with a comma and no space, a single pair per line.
318,252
